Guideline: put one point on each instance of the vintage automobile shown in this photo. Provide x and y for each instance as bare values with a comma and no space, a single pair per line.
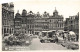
48,36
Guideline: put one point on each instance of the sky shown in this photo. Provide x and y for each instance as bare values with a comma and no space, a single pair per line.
64,7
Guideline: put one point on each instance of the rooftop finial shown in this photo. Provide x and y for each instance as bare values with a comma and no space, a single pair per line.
55,8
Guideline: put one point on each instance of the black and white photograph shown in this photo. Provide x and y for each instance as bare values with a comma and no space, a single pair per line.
40,25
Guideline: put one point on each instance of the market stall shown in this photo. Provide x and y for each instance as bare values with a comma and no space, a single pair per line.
72,36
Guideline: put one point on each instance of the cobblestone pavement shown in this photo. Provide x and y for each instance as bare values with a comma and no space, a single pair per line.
37,45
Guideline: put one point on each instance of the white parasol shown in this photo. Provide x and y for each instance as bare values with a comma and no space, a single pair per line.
72,33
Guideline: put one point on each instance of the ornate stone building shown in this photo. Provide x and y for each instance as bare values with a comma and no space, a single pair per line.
66,24
46,22
41,23
56,21
24,21
30,22
7,18
17,23
34,23
72,23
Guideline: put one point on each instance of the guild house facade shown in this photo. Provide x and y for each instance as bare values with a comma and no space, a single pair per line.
31,23
72,24
7,18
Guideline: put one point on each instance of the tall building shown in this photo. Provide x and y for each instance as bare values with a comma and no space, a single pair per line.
72,23
56,21
24,28
66,24
30,22
35,23
46,22
7,18
24,23
41,23
17,23
77,23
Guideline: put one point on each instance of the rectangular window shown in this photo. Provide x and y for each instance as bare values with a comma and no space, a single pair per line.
28,26
25,31
50,20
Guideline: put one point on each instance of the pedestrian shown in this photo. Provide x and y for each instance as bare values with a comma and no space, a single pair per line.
63,36
56,38
77,37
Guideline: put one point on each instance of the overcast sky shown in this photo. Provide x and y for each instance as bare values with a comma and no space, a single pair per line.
64,7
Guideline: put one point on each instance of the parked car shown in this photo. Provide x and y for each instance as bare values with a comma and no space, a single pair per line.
48,36
43,39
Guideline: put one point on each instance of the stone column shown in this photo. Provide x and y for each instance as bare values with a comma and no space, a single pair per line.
29,32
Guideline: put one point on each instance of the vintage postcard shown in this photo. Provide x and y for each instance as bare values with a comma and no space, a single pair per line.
40,25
